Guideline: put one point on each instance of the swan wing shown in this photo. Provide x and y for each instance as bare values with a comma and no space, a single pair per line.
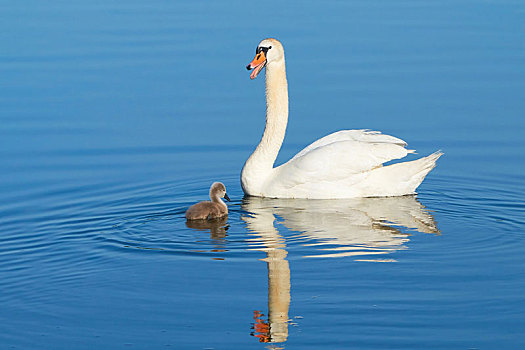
362,135
341,156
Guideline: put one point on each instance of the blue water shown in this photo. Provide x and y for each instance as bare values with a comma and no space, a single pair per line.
116,116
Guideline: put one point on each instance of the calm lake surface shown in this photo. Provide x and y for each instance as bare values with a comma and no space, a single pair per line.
116,116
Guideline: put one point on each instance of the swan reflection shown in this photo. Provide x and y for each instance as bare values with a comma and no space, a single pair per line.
333,228
337,227
275,329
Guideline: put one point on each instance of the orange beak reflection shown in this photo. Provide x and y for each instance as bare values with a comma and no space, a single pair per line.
257,64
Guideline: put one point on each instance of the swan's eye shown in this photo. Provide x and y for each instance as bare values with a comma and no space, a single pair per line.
263,49
269,47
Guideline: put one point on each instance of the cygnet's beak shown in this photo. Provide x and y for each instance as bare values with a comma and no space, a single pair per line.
226,197
257,64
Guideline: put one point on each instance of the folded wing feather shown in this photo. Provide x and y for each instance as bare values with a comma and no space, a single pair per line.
341,155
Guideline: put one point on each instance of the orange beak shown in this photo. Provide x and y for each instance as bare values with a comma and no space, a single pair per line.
257,64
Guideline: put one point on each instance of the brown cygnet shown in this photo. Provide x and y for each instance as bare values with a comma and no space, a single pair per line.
206,210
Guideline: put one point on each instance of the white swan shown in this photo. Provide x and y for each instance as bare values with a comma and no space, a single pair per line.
344,164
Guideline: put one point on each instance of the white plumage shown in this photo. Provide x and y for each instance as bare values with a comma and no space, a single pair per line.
345,164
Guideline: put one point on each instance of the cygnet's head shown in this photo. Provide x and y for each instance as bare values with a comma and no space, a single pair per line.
218,189
268,52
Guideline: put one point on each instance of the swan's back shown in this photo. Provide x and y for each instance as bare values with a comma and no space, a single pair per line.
348,164
362,135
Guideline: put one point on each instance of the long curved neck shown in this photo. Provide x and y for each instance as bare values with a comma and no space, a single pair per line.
266,152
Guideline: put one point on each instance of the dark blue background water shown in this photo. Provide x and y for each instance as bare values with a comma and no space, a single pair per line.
115,117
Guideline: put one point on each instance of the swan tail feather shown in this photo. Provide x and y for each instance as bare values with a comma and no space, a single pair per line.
422,167
401,178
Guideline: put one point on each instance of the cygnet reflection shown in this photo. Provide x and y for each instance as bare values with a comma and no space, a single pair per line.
340,227
217,227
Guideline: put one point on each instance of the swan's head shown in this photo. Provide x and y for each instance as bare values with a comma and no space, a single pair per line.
218,189
269,51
